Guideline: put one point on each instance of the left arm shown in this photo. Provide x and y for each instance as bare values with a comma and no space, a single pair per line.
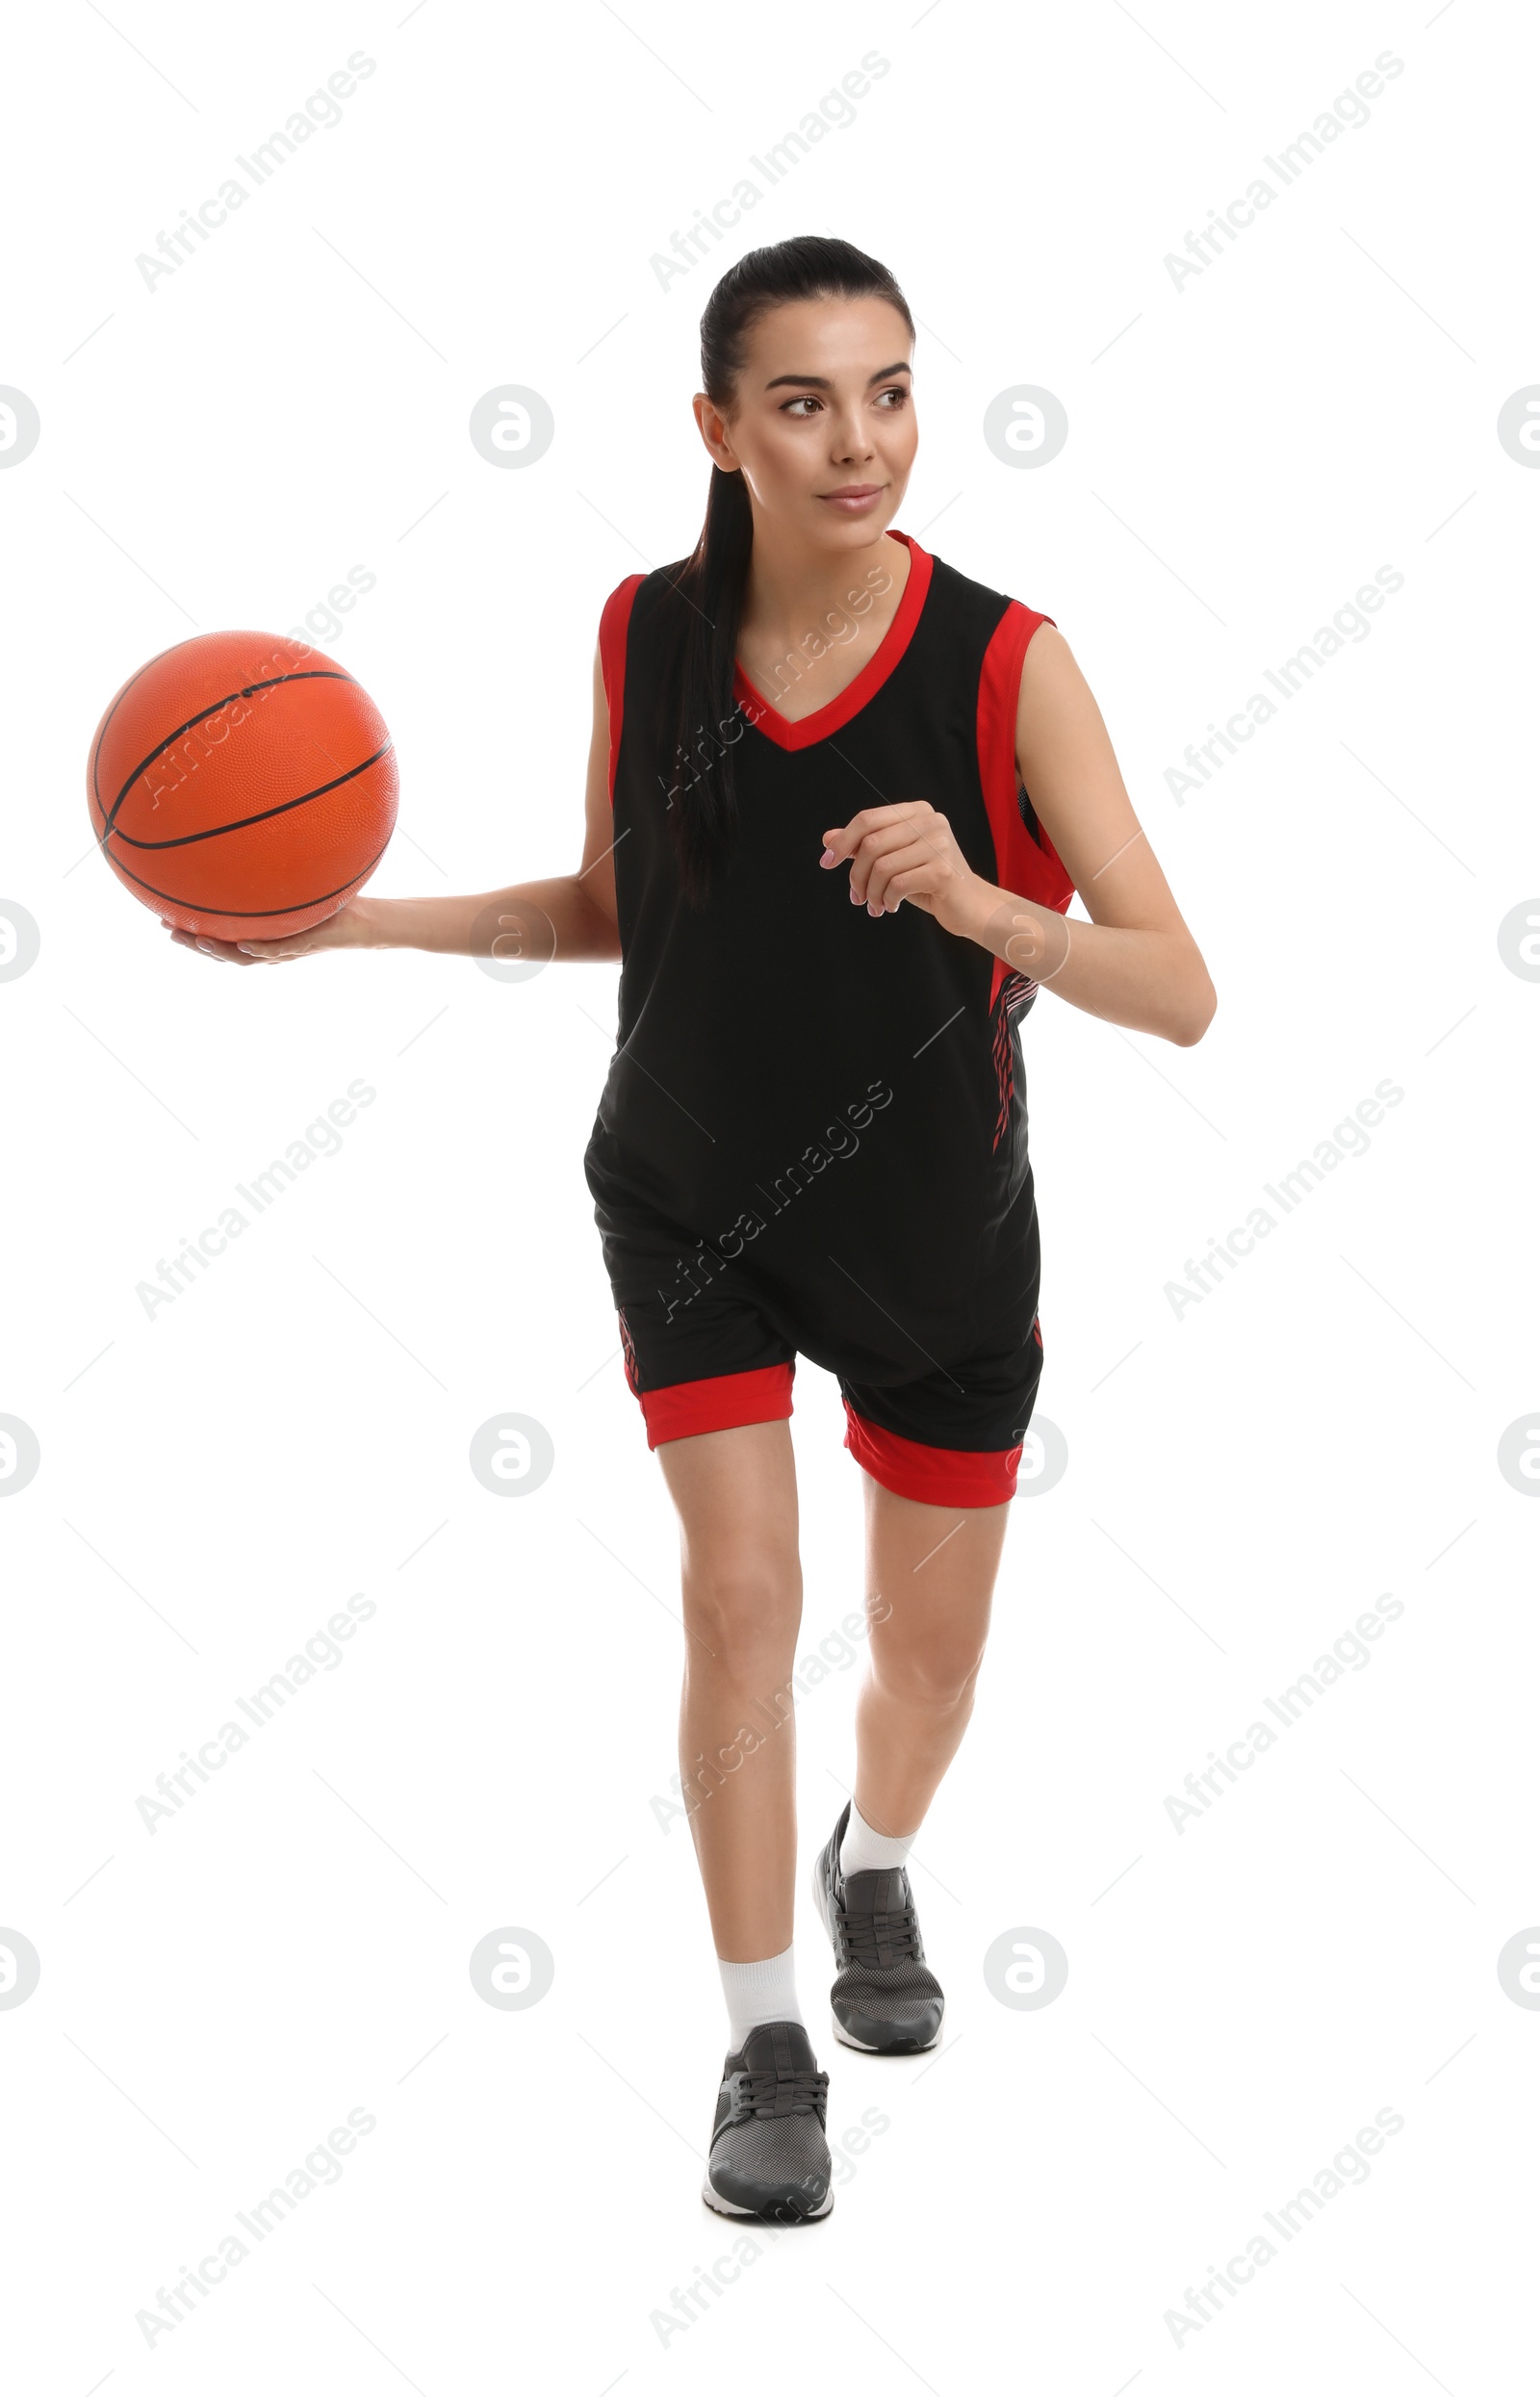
1135,962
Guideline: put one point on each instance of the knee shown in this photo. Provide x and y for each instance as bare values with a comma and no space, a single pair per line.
938,1675
745,1613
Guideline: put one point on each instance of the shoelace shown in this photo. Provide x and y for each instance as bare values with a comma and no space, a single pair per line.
769,2094
875,1940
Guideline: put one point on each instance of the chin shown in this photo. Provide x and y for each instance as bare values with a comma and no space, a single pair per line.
854,531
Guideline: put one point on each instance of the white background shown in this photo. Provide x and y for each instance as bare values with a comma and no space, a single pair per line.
1244,1478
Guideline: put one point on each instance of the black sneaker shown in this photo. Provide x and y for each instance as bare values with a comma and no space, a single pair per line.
769,2155
885,1998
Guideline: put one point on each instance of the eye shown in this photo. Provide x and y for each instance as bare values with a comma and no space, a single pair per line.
805,399
893,391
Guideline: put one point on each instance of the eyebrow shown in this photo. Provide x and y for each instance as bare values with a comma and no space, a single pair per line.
821,382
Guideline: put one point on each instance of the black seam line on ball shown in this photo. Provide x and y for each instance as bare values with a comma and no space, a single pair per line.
183,839
97,753
310,674
285,907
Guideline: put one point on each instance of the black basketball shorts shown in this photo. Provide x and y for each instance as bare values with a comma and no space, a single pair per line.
950,1436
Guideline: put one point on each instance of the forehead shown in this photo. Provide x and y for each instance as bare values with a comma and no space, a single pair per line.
841,338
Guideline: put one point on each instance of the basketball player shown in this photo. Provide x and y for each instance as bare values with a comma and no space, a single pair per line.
813,1140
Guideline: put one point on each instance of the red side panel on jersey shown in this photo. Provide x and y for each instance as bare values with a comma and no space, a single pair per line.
613,626
1027,867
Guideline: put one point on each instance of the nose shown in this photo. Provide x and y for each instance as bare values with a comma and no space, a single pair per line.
848,437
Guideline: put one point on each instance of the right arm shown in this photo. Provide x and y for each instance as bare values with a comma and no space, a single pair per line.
580,908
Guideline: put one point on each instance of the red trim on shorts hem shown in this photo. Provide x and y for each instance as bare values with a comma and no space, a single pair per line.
718,1403
938,1477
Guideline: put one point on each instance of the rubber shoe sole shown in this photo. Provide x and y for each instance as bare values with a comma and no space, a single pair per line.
786,2212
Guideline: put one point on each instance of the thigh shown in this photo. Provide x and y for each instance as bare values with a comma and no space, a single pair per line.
735,1493
713,1376
940,1454
930,1576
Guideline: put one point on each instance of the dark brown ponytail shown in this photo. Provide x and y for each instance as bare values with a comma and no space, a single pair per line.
698,723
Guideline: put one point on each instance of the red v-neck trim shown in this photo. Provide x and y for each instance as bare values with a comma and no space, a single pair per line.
798,732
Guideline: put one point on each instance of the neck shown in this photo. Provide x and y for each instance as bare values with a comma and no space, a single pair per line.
791,590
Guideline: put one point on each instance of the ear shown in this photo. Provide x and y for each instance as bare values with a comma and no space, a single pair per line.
714,432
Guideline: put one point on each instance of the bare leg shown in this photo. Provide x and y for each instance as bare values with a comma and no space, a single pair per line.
735,1492
931,1570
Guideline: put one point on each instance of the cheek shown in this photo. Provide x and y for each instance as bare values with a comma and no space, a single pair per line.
780,458
899,436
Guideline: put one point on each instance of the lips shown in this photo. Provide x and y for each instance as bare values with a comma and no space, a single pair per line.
853,496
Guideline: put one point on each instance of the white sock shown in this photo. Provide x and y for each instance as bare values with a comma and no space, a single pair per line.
762,1992
865,1850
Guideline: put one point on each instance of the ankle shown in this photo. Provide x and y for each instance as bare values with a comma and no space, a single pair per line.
865,1849
761,1991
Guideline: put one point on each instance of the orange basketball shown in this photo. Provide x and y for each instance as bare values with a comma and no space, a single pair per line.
242,784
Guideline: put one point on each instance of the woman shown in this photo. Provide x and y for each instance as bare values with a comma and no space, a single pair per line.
813,1136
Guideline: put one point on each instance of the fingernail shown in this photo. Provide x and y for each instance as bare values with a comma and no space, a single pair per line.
829,857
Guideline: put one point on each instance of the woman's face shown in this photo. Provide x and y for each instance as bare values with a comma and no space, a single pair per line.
823,407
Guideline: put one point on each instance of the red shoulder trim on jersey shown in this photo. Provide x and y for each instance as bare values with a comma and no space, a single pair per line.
1028,868
613,626
788,733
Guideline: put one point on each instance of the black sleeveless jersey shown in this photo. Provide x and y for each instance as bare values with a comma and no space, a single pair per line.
807,1104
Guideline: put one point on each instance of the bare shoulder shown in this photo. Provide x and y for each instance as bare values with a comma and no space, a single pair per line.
1053,688
1067,762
